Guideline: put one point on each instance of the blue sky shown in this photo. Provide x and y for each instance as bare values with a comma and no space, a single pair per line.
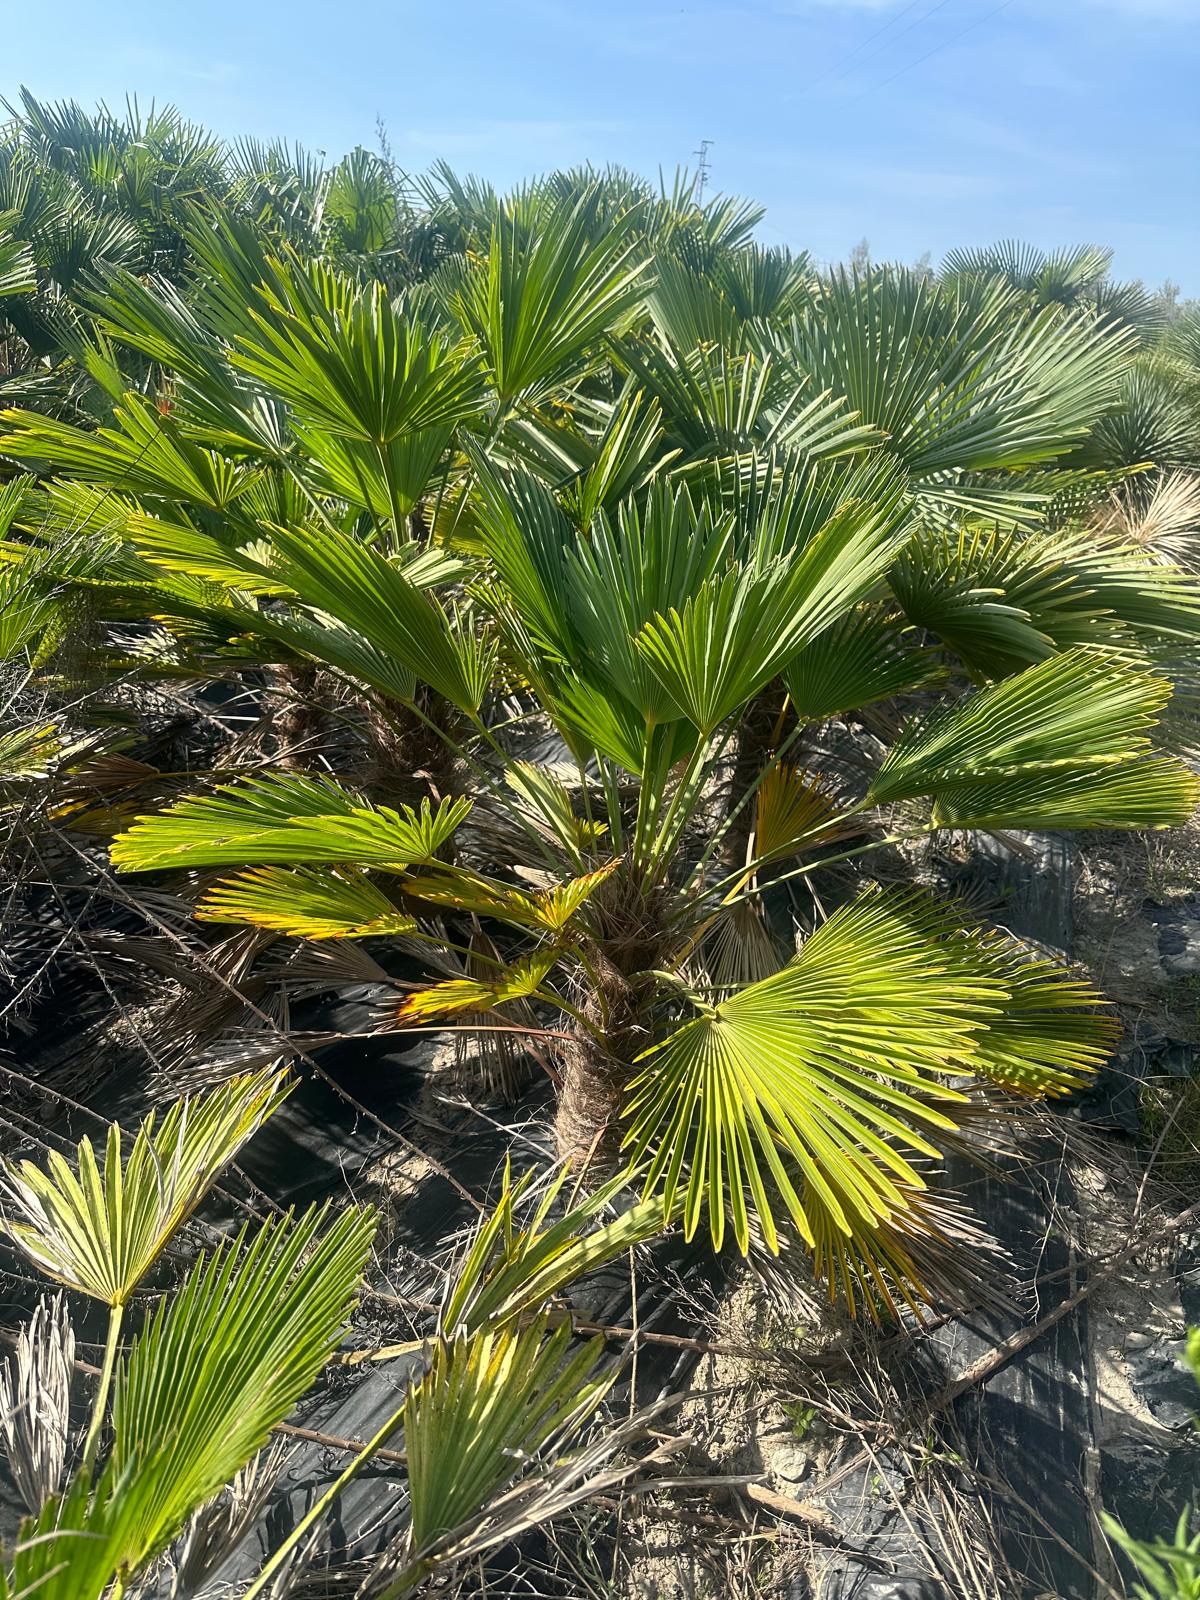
918,124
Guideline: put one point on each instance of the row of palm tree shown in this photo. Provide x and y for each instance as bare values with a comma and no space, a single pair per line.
572,535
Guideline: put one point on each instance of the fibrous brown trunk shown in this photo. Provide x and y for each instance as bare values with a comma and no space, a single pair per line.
595,1071
299,721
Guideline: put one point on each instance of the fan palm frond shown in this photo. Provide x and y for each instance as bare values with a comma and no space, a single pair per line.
512,1266
490,1405
100,1229
285,818
223,1360
831,1076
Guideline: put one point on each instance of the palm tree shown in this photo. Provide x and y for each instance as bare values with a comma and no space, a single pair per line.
664,479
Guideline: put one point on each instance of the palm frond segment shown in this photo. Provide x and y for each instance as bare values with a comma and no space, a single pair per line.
489,1406
225,1359
306,903
516,1264
1066,743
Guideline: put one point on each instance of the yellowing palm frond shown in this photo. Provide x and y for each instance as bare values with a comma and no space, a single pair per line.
517,982
306,903
100,1229
554,908
792,812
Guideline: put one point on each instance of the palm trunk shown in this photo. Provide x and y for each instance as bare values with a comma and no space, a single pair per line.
597,1066
299,721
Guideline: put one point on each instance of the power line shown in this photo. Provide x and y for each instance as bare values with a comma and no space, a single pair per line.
953,39
837,72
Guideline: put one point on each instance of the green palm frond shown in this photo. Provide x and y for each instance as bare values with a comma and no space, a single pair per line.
145,454
513,1267
491,1405
1150,422
375,597
100,1229
71,1550
179,547
1143,792
1079,710
738,631
1003,599
539,299
958,379
306,903
224,1359
286,818
17,274
863,657
829,1078
721,401
352,362
220,1363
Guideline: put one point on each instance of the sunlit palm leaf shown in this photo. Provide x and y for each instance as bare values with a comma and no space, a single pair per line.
352,362
959,378
554,908
460,889
365,591
828,1071
29,752
71,1550
226,1357
286,818
146,455
739,631
17,275
1144,792
538,300
100,1229
1080,709
489,1405
517,982
514,1266
306,903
